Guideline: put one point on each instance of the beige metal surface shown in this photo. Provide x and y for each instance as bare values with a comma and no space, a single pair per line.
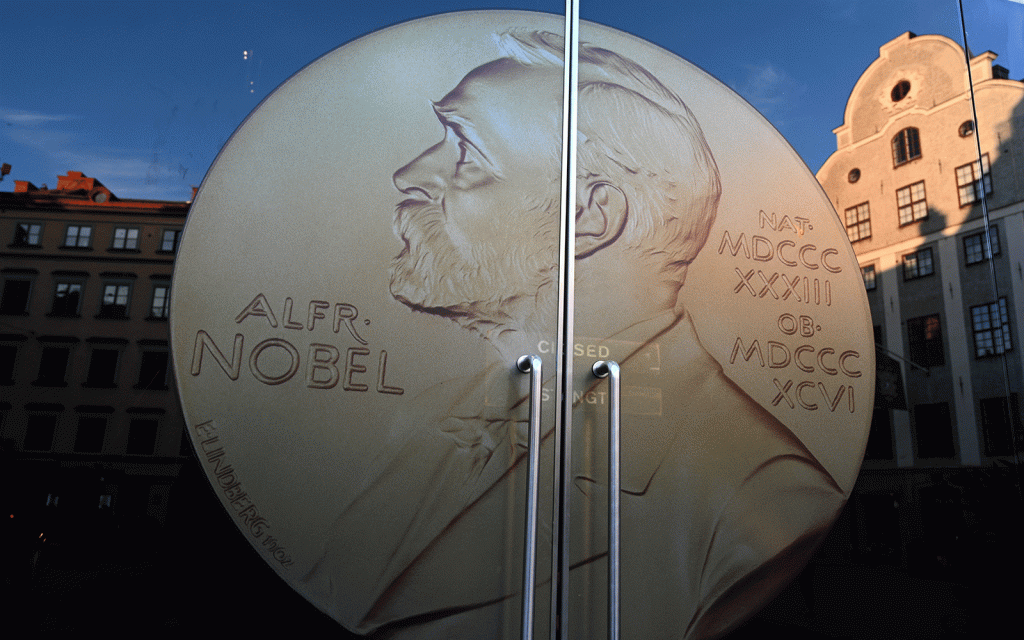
348,368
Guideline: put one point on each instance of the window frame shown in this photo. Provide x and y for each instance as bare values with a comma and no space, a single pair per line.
970,185
156,383
29,279
915,272
143,420
175,236
162,312
864,270
81,238
64,312
911,204
998,421
91,419
109,379
930,447
984,251
31,424
906,146
925,343
861,219
22,242
46,357
11,350
989,348
111,311
126,240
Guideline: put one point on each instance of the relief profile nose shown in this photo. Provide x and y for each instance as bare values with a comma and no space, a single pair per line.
422,176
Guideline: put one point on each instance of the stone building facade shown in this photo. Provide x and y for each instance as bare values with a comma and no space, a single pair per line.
89,419
928,151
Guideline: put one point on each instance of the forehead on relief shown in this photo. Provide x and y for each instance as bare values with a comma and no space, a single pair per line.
505,88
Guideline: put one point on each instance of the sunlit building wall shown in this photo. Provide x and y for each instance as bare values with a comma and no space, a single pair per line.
947,300
89,418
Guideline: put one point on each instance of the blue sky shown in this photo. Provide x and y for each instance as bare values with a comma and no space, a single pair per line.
142,95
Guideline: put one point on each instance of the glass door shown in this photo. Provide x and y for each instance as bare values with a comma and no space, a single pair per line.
365,263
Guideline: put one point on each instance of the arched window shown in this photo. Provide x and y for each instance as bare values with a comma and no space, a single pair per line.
906,146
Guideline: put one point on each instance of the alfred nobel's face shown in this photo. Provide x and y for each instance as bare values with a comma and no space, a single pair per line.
480,221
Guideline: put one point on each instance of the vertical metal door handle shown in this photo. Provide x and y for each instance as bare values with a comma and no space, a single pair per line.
610,369
531,364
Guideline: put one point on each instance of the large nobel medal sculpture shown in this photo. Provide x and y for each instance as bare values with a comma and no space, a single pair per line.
378,244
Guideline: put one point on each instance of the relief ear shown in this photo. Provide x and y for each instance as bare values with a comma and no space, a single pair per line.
602,220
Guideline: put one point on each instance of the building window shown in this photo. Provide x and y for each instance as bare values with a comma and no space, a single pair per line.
115,300
906,146
53,366
977,250
103,367
126,239
39,435
169,243
91,432
78,237
966,129
900,91
918,264
911,203
14,301
868,273
933,431
999,421
858,222
161,307
880,436
971,179
853,176
27,234
142,436
991,326
67,299
925,336
8,361
153,370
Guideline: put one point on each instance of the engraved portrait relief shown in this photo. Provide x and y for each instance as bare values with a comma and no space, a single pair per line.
722,503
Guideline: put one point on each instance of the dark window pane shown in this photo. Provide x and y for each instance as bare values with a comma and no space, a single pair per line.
66,298
27,234
115,301
15,297
153,371
39,436
102,368
925,335
880,436
142,436
933,431
91,430
53,366
8,356
996,423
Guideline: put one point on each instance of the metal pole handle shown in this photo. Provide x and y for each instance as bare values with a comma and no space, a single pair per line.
531,364
610,369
